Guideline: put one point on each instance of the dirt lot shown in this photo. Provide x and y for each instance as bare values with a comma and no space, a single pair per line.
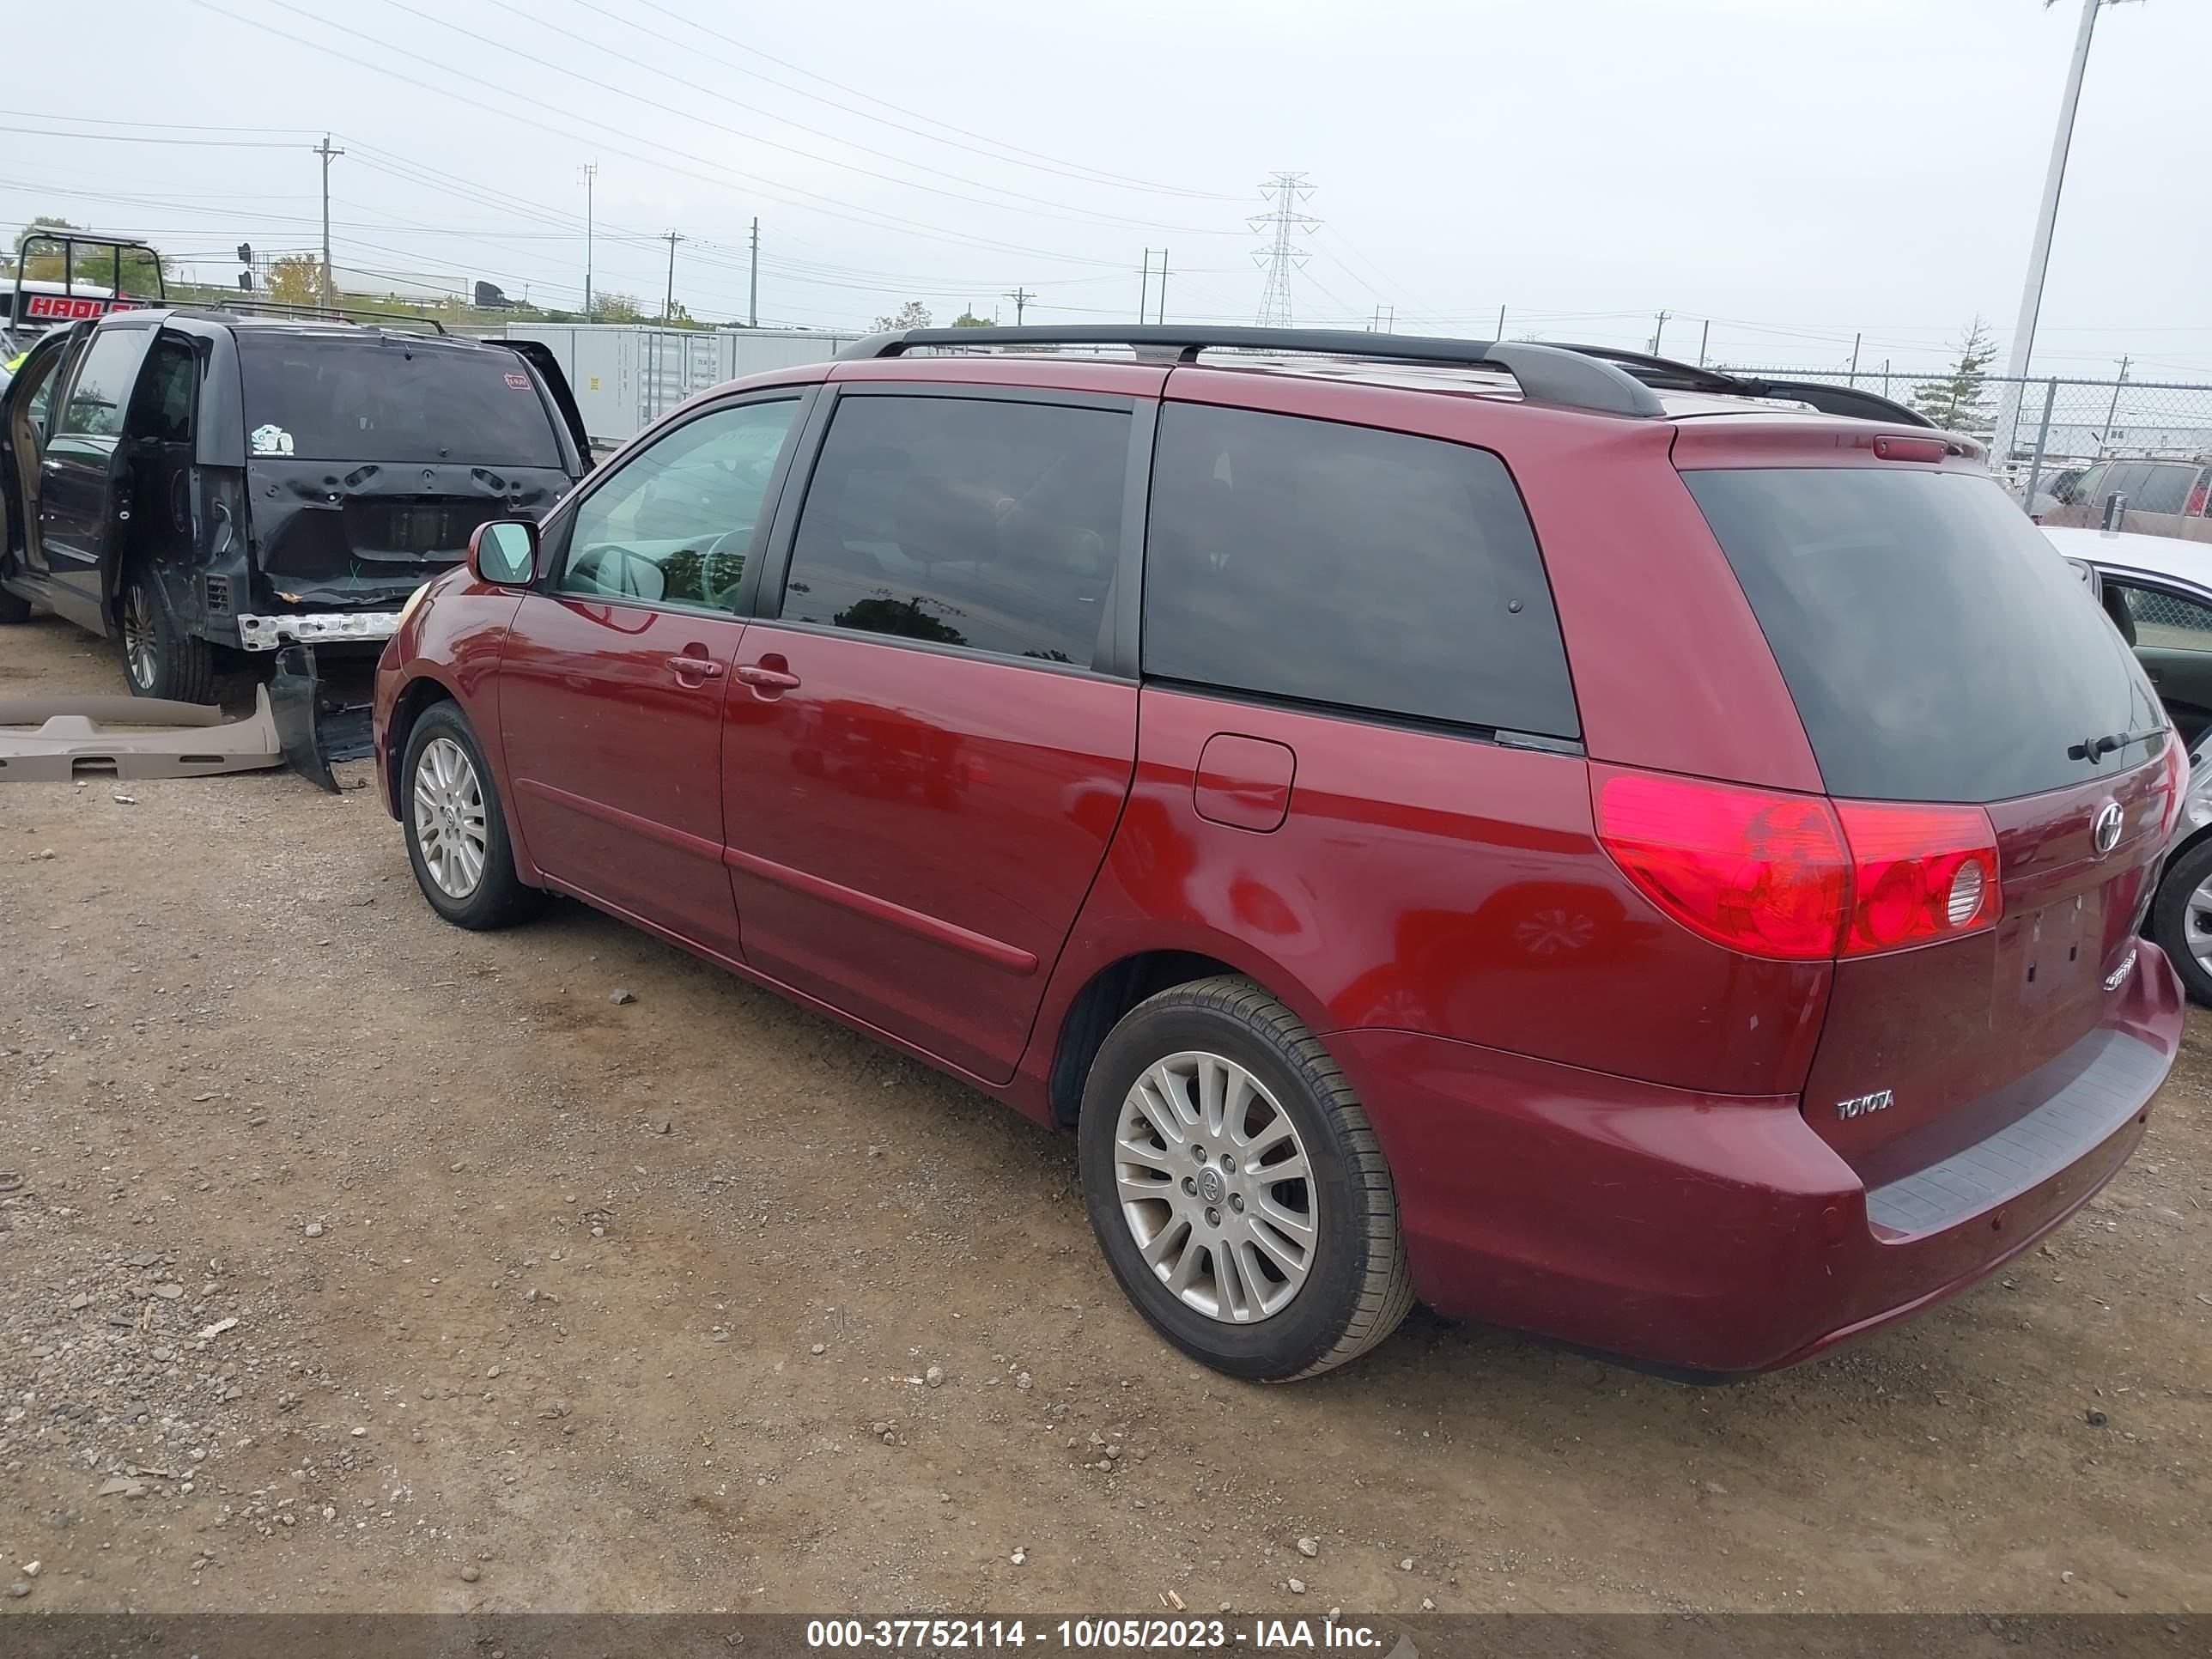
358,1262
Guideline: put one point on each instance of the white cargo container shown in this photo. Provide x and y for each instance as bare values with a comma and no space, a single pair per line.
627,375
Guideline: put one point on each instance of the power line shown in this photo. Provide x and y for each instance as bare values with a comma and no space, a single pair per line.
1038,159
1032,202
134,138
808,201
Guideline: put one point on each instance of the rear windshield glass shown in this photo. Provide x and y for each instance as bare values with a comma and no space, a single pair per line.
381,398
1936,645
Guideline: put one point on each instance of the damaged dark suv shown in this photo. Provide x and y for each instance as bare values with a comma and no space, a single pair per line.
206,487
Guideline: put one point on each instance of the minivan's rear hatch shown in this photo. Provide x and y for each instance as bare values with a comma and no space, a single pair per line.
1940,651
372,455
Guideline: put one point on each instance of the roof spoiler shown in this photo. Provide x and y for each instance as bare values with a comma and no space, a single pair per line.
1545,373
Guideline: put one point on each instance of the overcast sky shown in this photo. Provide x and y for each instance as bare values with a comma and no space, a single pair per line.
1795,171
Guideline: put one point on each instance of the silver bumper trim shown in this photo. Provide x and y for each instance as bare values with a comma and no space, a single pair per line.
268,633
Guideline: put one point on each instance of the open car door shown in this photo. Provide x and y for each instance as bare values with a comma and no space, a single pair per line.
23,408
84,477
539,356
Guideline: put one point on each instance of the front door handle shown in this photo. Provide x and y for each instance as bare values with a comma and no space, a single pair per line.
775,679
691,669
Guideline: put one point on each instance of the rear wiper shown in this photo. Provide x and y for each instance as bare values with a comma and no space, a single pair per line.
2096,748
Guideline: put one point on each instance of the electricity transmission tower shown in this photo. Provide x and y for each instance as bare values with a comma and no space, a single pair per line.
1281,255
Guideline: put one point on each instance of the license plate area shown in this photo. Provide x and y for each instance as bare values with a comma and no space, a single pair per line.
2060,951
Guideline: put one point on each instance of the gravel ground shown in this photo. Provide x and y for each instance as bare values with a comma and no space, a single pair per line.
351,1261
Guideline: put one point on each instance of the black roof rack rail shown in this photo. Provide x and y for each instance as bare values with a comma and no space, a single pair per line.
308,312
1546,374
1665,373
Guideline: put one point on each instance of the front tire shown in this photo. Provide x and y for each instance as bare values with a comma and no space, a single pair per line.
456,828
14,608
2181,919
1237,1187
160,659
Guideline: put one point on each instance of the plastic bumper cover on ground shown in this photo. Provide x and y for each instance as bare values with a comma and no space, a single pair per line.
1719,1234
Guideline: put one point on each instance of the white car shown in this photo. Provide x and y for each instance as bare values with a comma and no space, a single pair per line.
2158,591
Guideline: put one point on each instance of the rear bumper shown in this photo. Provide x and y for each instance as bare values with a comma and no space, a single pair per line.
1719,1234
316,627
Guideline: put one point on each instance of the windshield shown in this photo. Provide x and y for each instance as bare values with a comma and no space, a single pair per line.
1937,647
385,397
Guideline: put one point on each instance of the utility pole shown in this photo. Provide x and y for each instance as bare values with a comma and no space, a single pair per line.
1658,329
1280,257
1161,305
330,284
668,306
752,292
590,171
2112,415
1855,338
1021,297
1501,325
1144,287
1704,339
2006,433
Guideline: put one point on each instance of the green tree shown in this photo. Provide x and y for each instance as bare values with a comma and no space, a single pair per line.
969,320
616,308
912,315
1960,401
296,280
904,618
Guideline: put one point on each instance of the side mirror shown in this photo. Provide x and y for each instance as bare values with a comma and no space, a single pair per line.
504,552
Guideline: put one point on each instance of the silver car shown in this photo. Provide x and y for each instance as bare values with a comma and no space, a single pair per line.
2158,591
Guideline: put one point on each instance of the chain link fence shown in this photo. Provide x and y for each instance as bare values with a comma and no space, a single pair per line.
2043,428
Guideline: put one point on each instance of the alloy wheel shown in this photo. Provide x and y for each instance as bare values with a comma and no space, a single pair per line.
2200,924
139,645
449,817
1215,1187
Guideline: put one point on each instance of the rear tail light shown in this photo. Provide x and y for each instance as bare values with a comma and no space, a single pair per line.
1797,877
2173,784
1762,873
1919,873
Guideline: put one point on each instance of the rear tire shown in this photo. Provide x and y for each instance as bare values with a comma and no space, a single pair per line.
2171,928
456,828
160,659
1316,1266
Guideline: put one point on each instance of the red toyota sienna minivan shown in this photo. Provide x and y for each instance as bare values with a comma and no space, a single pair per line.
1434,818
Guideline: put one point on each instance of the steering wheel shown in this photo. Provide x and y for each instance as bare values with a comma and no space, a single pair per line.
615,571
720,598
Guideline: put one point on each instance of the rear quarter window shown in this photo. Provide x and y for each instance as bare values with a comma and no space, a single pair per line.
1937,647
2164,489
1343,566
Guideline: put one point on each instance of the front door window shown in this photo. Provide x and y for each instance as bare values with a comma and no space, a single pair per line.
675,524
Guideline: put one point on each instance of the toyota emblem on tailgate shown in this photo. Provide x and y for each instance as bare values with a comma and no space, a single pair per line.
2105,828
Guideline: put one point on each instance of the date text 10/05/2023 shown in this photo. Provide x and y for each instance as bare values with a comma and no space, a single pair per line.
1163,1635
